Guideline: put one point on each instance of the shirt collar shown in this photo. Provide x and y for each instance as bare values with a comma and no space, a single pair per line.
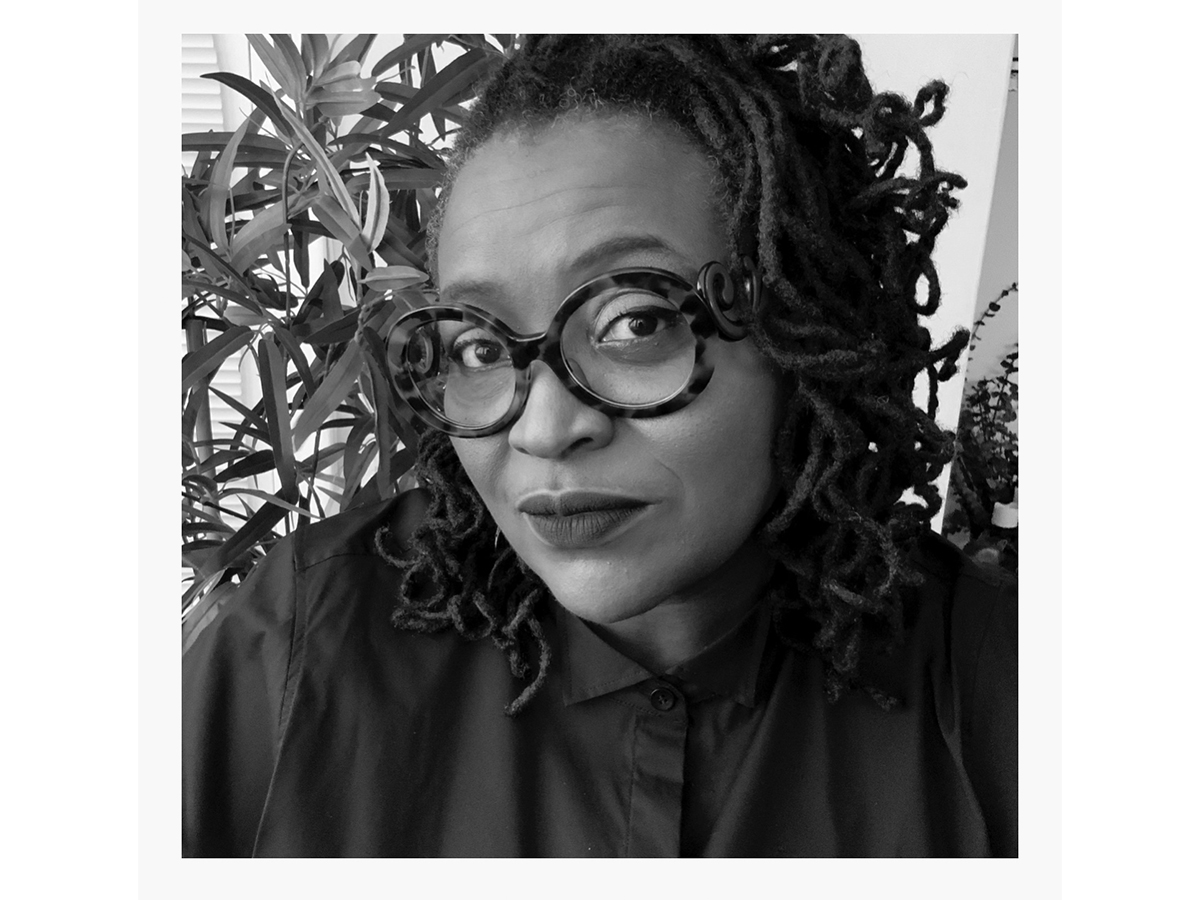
728,667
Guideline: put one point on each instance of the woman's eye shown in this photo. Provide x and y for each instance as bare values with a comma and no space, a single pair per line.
637,323
474,350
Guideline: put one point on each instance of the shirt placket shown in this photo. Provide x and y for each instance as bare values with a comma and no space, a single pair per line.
656,789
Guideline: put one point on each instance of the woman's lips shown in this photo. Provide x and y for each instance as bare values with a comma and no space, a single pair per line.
578,519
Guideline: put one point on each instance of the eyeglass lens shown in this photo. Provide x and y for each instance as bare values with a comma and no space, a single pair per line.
630,346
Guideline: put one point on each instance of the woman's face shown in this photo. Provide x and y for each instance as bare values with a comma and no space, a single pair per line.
617,516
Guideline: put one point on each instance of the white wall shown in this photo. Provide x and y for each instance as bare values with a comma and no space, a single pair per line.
998,336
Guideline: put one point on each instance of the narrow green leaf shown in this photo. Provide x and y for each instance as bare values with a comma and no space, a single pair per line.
396,93
353,460
233,513
249,415
243,541
193,228
238,316
469,41
400,178
456,77
326,284
329,395
204,157
354,469
296,353
347,104
251,198
381,390
204,528
215,265
411,46
376,111
295,64
315,498
195,549
326,457
401,461
191,413
330,299
357,49
276,63
217,141
394,278
265,231
345,229
202,482
417,151
194,512
378,207
255,464
208,358
343,71
219,458
216,197
273,499
315,50
394,248
348,422
260,97
274,388
336,332
331,181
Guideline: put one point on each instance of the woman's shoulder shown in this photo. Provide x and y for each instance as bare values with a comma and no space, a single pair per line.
970,628
972,599
960,631
354,532
327,563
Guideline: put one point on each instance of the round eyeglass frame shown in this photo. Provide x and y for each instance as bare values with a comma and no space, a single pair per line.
708,306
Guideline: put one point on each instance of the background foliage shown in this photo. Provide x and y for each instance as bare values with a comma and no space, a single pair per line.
984,471
303,236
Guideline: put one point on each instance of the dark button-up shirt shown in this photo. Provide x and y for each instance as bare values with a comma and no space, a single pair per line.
313,728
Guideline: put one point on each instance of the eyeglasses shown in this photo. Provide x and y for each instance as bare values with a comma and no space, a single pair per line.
630,343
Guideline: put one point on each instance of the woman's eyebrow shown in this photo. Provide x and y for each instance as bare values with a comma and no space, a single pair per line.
619,246
468,291
476,290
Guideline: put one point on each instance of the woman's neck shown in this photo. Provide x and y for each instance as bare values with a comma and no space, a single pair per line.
682,625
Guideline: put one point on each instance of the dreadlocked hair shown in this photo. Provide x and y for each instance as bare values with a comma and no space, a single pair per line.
453,577
809,168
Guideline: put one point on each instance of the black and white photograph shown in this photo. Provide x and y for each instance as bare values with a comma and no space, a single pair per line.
599,445
597,451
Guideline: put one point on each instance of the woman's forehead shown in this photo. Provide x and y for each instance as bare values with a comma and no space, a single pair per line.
552,208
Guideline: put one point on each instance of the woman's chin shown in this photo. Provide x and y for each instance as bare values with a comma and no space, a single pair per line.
607,605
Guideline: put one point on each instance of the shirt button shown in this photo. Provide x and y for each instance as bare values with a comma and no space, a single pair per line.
662,699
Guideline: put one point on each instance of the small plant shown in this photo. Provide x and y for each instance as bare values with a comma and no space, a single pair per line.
985,469
327,434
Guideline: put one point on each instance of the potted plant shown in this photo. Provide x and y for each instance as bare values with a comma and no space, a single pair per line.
303,235
984,474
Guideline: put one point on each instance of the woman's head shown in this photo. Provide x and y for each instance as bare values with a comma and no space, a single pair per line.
533,215
587,153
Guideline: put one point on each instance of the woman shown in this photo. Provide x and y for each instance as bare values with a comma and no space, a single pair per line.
668,394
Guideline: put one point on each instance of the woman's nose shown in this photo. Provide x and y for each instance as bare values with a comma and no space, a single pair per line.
554,423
